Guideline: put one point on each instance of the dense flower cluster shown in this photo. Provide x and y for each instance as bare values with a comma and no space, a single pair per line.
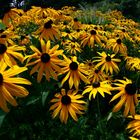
98,59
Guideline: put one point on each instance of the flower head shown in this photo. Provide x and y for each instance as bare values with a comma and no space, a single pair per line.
46,60
107,62
9,85
128,96
9,53
75,71
134,125
98,87
67,103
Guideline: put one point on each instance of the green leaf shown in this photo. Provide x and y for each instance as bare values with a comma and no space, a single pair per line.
32,101
2,116
2,26
44,97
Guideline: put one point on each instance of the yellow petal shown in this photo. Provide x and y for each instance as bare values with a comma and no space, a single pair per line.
8,96
17,81
3,103
119,104
72,113
15,70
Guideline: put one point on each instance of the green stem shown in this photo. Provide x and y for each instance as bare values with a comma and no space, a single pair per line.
137,80
99,114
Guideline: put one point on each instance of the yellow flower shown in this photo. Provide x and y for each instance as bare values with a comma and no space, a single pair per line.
9,85
133,63
75,71
72,47
68,33
7,37
128,96
134,125
48,32
90,38
76,24
9,53
117,46
46,60
123,33
67,103
11,14
98,87
107,62
96,75
88,64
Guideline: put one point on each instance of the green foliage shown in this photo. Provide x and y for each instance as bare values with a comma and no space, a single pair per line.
91,14
2,26
28,28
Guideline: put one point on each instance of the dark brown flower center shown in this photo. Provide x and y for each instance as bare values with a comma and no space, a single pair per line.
1,79
130,89
78,30
123,30
90,63
96,71
119,41
95,28
75,19
108,58
3,48
93,32
73,66
67,31
3,36
1,30
48,24
96,84
45,57
65,100
73,46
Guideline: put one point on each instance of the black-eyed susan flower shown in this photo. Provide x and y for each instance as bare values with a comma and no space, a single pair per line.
128,96
67,33
9,85
11,14
38,12
45,61
76,24
134,125
107,62
96,75
123,33
117,46
98,87
72,47
133,63
75,72
67,103
7,37
48,32
9,53
88,64
90,38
